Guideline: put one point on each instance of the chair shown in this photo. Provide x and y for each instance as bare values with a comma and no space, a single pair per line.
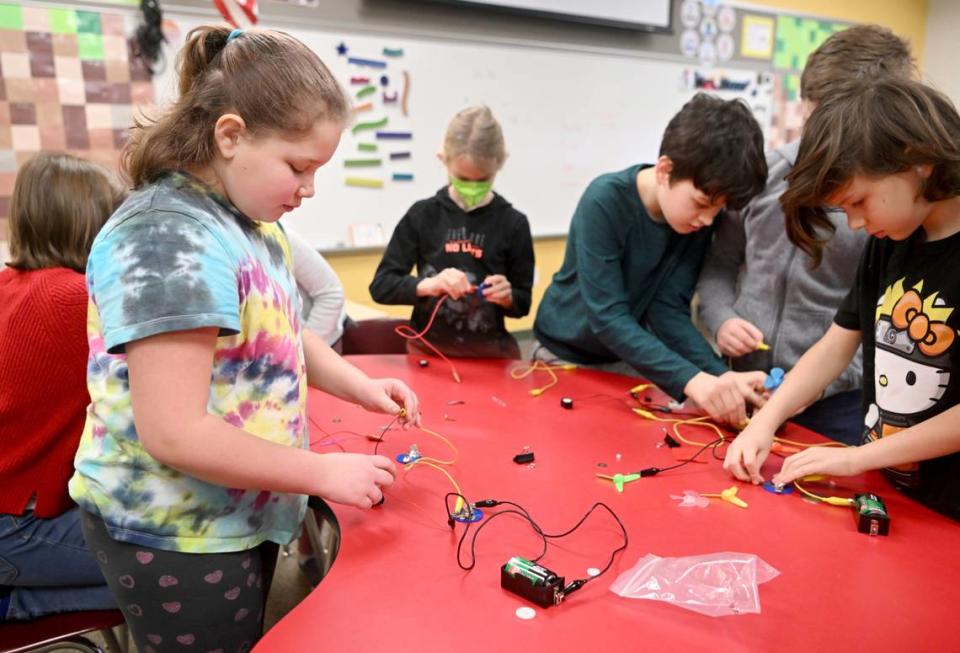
323,530
375,336
64,631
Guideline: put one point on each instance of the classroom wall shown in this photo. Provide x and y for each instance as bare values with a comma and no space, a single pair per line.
940,53
907,18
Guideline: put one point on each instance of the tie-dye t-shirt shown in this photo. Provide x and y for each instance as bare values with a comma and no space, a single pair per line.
175,257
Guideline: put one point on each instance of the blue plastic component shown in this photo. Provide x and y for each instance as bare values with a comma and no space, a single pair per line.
770,487
774,379
408,457
475,516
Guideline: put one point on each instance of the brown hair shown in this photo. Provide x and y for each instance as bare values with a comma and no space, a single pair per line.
718,145
476,134
58,206
270,79
858,52
873,128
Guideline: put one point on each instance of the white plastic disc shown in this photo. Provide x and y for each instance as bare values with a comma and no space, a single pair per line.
592,571
526,613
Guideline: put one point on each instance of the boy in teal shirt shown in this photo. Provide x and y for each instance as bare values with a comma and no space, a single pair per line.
621,299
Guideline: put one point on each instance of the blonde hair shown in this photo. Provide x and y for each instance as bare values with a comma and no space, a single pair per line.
476,134
59,204
270,79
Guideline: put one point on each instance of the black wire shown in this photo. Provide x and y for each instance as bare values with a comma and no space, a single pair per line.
602,395
715,443
473,541
517,509
714,452
623,530
383,431
490,517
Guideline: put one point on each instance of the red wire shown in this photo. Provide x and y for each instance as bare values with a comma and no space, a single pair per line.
406,331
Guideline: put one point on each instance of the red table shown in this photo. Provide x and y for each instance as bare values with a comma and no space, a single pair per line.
396,584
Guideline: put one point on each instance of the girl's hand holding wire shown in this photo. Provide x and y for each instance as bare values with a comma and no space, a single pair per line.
390,396
832,461
450,281
354,479
746,454
498,290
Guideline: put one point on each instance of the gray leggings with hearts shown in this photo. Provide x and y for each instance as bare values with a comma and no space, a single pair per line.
210,602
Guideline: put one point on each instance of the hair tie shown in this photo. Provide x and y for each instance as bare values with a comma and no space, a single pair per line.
234,34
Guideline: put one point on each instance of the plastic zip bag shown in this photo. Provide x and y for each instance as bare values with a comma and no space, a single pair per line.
715,584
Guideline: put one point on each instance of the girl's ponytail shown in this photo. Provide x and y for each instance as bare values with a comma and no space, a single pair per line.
271,80
202,47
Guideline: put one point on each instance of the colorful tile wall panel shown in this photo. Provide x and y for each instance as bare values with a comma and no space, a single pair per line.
68,82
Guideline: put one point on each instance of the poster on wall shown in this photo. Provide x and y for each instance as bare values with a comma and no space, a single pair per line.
378,144
798,37
756,38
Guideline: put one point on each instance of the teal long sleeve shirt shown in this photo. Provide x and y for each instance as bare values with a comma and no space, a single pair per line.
624,289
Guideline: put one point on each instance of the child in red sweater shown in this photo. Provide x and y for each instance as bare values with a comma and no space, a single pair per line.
59,204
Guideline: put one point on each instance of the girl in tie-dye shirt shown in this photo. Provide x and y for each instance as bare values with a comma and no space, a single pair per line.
196,438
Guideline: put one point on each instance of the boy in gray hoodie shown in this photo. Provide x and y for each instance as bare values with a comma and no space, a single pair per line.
760,296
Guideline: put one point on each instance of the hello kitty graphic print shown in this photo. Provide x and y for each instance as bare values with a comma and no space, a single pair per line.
912,366
904,303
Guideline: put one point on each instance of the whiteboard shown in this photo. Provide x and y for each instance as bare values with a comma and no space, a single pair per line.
567,117
629,13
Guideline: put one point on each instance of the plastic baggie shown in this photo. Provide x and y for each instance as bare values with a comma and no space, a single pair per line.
715,584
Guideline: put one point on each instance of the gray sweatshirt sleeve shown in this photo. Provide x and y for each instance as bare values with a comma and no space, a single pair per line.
717,286
320,288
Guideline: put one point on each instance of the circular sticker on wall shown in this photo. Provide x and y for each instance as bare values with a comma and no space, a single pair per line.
726,19
690,13
725,47
690,43
708,28
710,7
708,52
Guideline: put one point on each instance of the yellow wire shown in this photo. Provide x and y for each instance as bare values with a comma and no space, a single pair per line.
523,372
702,421
696,422
676,423
456,453
833,501
421,461
807,445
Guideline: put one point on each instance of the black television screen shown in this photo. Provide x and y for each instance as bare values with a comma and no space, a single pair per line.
647,15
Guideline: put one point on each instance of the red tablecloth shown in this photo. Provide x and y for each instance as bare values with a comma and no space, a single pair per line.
396,584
